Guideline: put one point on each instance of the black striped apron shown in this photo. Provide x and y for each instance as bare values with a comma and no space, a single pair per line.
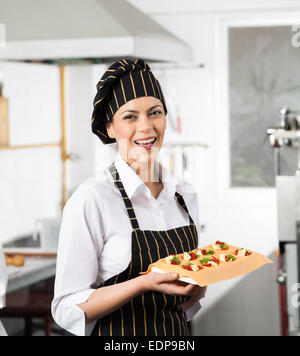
151,313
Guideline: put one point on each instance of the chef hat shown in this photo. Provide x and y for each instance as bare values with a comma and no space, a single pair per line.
123,81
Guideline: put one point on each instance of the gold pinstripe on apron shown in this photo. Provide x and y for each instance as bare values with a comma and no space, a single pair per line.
151,313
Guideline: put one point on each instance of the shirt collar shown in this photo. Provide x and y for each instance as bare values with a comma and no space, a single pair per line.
133,184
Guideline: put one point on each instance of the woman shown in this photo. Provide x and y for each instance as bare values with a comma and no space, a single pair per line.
114,226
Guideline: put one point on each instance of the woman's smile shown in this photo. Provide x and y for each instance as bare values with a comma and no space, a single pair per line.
146,143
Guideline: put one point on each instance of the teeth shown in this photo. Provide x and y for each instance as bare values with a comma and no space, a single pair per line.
146,142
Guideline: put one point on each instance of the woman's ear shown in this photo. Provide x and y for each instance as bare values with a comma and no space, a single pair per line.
110,130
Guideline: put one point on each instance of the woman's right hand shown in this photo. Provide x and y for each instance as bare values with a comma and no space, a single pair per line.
166,283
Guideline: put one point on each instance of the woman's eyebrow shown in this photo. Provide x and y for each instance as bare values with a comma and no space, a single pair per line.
147,110
155,107
129,111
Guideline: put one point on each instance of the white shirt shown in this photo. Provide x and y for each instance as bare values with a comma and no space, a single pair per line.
3,285
95,236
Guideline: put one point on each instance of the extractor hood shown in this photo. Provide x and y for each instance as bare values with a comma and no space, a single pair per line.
89,30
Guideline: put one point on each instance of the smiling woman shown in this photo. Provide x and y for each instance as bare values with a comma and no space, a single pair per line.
139,128
114,226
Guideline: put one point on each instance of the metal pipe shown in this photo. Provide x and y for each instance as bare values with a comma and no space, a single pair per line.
64,155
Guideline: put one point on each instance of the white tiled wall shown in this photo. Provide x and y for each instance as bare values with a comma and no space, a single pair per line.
80,93
30,179
34,102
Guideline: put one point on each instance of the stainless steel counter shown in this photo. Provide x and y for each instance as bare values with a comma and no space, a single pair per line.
34,270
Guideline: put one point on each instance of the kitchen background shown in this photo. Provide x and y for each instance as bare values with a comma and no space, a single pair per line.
239,69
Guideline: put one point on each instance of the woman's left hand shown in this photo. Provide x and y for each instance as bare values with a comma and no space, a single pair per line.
197,293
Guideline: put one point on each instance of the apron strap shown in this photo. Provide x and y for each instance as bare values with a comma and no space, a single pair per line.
127,201
182,203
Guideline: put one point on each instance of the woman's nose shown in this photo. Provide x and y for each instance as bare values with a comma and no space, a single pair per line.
145,123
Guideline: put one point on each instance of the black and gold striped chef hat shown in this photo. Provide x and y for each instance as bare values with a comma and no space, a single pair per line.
123,81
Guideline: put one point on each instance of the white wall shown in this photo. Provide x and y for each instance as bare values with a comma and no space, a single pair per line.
80,92
30,179
241,216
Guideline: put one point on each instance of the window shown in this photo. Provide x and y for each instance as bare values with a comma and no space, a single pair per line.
264,76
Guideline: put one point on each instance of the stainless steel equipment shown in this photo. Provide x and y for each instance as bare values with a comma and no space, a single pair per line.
288,207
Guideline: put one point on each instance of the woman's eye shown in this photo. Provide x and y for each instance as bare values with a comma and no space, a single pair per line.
157,112
128,117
